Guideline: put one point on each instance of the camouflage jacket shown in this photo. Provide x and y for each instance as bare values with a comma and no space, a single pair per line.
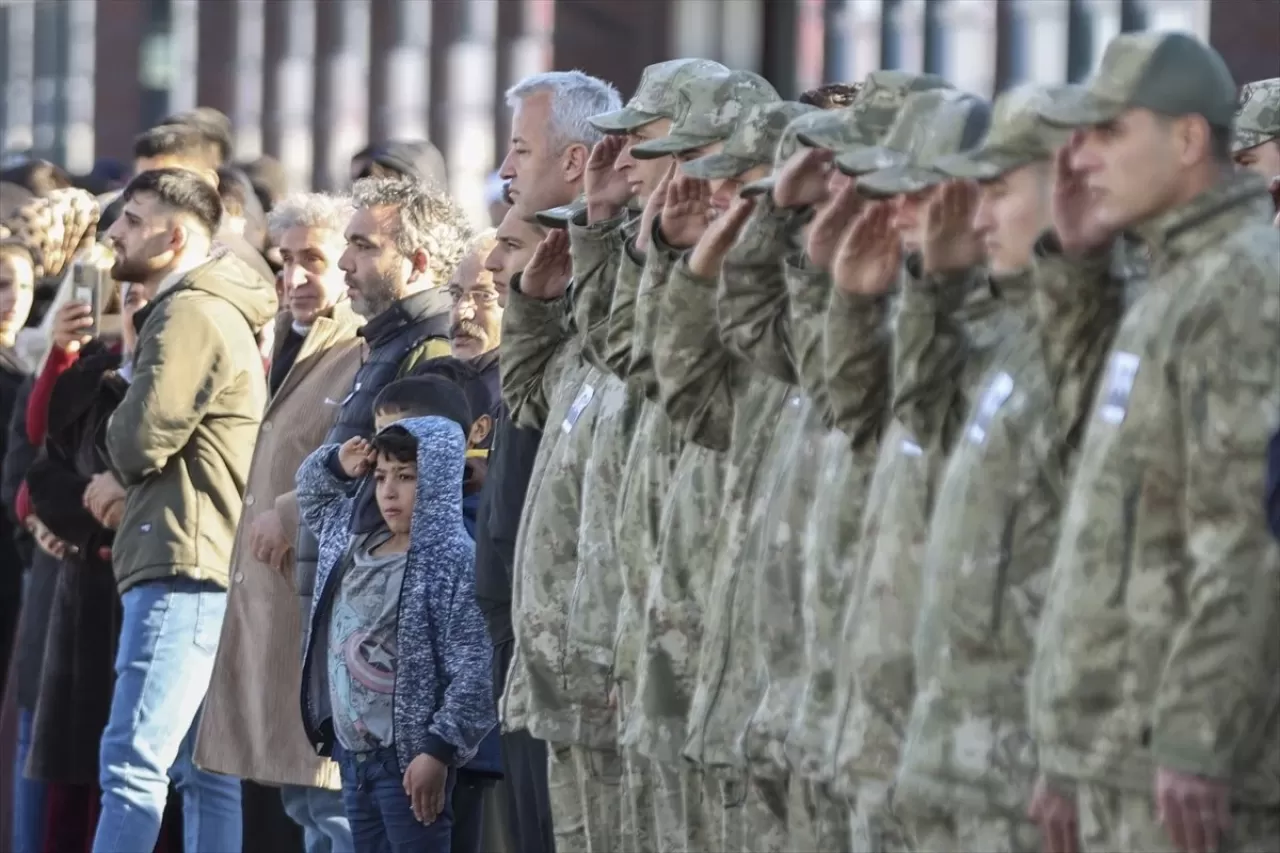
598,588
992,535
651,460
724,403
1160,639
876,681
547,691
780,627
829,540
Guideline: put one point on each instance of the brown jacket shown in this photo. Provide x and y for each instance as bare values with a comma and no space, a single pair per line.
252,725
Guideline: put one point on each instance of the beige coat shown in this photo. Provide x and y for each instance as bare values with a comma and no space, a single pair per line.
252,722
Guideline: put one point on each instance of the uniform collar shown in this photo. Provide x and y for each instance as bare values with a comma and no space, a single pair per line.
1179,230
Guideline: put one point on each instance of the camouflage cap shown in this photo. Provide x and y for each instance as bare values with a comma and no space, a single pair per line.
1173,74
1018,136
711,108
1259,117
788,145
932,125
865,121
752,144
560,217
657,95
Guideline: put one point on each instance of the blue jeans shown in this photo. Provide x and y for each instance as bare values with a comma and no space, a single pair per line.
28,795
168,638
322,816
381,816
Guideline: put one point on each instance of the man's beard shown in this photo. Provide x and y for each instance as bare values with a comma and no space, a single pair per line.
374,297
126,270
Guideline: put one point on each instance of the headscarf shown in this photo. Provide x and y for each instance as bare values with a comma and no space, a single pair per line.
54,229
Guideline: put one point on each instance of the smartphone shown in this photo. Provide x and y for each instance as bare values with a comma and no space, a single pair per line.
87,287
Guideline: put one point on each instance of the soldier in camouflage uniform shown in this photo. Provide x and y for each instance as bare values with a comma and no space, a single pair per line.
711,109
719,401
1154,689
1006,419
1256,141
874,639
597,237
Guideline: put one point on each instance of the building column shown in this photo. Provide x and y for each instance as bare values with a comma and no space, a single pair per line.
1246,34
290,39
247,107
399,74
341,67
20,75
184,50
217,55
862,27
615,39
49,107
117,103
966,34
524,48
467,139
78,135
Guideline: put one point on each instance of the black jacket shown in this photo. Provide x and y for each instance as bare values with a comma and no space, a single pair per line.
498,520
1273,485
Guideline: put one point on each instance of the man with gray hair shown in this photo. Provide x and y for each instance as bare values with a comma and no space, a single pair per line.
551,137
545,167
252,727
402,244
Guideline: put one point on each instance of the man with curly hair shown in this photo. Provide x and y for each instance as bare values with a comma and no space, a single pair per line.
402,244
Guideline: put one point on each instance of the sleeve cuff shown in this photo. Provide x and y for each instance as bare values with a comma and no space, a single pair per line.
334,467
1176,755
439,748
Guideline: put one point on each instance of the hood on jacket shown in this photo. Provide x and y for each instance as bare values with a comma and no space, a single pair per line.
437,504
231,279
417,159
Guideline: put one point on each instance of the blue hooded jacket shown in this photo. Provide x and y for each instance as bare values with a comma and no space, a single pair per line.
443,696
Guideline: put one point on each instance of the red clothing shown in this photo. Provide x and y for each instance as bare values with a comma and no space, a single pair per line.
38,403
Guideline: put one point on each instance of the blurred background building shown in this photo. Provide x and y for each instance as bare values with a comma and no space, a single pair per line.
311,81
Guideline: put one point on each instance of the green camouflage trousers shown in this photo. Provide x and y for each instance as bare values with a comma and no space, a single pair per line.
585,789
874,826
637,831
964,831
680,809
819,818
766,816
1112,819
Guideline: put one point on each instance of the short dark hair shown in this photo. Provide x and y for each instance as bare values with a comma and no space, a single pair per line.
182,190
464,374
425,396
396,442
212,124
232,191
180,141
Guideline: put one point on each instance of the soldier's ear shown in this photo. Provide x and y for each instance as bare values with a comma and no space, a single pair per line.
574,162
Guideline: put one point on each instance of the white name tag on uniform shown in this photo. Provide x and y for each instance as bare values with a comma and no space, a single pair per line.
992,399
910,448
1122,370
580,403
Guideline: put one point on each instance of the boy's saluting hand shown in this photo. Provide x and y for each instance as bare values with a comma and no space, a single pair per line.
424,782
357,457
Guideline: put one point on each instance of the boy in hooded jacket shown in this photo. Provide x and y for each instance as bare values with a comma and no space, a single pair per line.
396,681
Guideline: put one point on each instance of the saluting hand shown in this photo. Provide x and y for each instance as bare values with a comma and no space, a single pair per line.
870,254
802,180
950,243
1195,811
357,457
687,211
1078,232
548,272
834,218
606,188
1055,813
653,209
708,255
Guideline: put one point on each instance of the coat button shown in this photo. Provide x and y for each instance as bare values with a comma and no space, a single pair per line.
239,577
266,426
249,500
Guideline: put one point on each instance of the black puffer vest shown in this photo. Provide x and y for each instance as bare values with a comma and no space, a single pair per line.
392,337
